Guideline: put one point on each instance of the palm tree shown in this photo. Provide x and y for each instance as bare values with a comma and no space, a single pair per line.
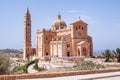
107,54
117,54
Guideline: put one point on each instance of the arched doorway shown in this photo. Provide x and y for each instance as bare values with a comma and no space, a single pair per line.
78,52
68,54
46,53
84,51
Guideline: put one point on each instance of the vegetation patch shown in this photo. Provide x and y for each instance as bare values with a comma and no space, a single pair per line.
36,67
111,54
4,65
107,54
87,65
27,65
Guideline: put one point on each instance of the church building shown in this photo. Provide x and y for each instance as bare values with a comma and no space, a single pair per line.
60,40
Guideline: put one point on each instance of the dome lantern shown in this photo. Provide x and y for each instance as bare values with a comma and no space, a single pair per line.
58,24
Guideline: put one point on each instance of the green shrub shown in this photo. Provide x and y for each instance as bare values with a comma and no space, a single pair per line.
108,60
87,65
36,67
118,60
98,66
17,70
107,54
4,65
28,64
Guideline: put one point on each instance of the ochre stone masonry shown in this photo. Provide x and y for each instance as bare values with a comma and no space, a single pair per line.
59,41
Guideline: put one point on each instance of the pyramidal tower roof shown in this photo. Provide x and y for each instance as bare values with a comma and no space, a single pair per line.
27,12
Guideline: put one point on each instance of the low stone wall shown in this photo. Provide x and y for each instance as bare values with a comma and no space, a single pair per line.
49,75
66,59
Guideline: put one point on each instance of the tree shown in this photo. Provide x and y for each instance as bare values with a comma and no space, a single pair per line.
107,54
117,54
4,65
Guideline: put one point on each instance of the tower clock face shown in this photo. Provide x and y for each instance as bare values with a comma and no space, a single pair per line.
79,33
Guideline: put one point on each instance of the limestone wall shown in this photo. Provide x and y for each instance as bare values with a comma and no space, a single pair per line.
49,75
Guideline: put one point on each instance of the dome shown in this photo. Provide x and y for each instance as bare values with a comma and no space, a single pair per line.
58,24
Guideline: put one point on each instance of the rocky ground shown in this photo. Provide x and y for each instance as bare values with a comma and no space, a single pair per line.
51,67
60,67
66,69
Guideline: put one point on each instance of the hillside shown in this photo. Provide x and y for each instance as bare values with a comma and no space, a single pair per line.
11,52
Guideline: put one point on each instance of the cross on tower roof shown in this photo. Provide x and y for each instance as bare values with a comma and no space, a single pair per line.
58,13
79,18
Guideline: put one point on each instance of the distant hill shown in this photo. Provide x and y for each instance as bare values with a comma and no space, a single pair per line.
11,52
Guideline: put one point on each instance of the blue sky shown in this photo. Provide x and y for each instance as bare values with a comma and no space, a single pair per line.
102,16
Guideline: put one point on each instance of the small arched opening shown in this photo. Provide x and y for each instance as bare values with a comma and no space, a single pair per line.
84,51
78,52
68,54
46,53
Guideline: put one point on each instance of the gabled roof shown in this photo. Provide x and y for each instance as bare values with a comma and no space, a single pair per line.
79,21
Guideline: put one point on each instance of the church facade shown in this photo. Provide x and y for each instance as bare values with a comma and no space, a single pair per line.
60,40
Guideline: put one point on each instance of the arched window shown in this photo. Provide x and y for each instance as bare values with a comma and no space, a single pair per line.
57,28
82,28
76,27
79,26
68,45
28,24
78,52
68,54
62,27
46,38
46,53
84,51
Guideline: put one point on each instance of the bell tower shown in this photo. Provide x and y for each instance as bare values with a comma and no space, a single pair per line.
27,35
78,33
